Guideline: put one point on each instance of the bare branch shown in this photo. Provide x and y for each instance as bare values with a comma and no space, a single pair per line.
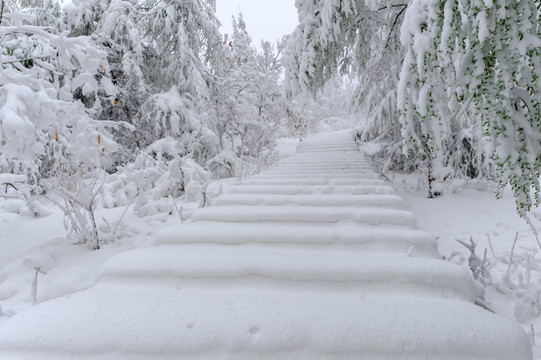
28,59
394,24
392,6
8,185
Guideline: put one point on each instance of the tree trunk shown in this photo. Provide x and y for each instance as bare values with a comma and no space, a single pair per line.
2,11
430,178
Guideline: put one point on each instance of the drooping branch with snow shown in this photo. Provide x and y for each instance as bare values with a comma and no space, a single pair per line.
480,59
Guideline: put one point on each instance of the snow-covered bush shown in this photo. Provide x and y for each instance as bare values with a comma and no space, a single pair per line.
156,180
514,274
224,165
15,187
47,135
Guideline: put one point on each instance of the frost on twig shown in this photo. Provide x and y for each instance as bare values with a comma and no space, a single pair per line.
507,275
34,287
477,265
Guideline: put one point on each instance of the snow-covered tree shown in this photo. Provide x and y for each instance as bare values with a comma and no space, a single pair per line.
161,53
481,59
245,101
46,134
83,16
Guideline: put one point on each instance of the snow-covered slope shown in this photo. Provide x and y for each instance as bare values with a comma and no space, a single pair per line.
312,259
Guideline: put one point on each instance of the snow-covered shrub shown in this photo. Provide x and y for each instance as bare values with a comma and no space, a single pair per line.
224,165
15,187
514,274
156,180
46,135
76,190
479,267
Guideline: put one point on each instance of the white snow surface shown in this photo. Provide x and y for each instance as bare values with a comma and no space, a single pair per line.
315,258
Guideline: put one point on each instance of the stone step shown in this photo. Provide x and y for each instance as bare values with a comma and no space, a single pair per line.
347,200
321,174
322,236
307,214
293,270
312,181
246,324
313,189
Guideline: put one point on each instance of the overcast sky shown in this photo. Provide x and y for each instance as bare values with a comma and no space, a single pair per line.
265,19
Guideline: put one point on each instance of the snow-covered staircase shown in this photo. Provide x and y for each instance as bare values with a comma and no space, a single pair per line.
312,259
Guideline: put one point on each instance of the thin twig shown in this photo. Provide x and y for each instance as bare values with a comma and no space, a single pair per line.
507,274
9,184
394,24
395,5
534,230
490,245
122,216
21,60
465,106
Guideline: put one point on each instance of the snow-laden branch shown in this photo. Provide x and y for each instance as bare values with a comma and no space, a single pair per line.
7,62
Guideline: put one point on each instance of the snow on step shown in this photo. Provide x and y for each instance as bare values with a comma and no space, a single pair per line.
320,174
312,259
307,214
300,269
284,235
327,149
390,201
253,324
323,157
312,181
339,160
331,167
300,189
324,173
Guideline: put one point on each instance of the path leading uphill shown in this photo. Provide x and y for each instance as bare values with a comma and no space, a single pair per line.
312,259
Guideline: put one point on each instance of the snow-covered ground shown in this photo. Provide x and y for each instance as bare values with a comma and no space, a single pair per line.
466,212
37,263
28,243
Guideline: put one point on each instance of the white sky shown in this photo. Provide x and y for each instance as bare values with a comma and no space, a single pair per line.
265,19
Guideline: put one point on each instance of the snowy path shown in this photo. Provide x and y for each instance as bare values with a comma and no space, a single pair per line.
312,259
